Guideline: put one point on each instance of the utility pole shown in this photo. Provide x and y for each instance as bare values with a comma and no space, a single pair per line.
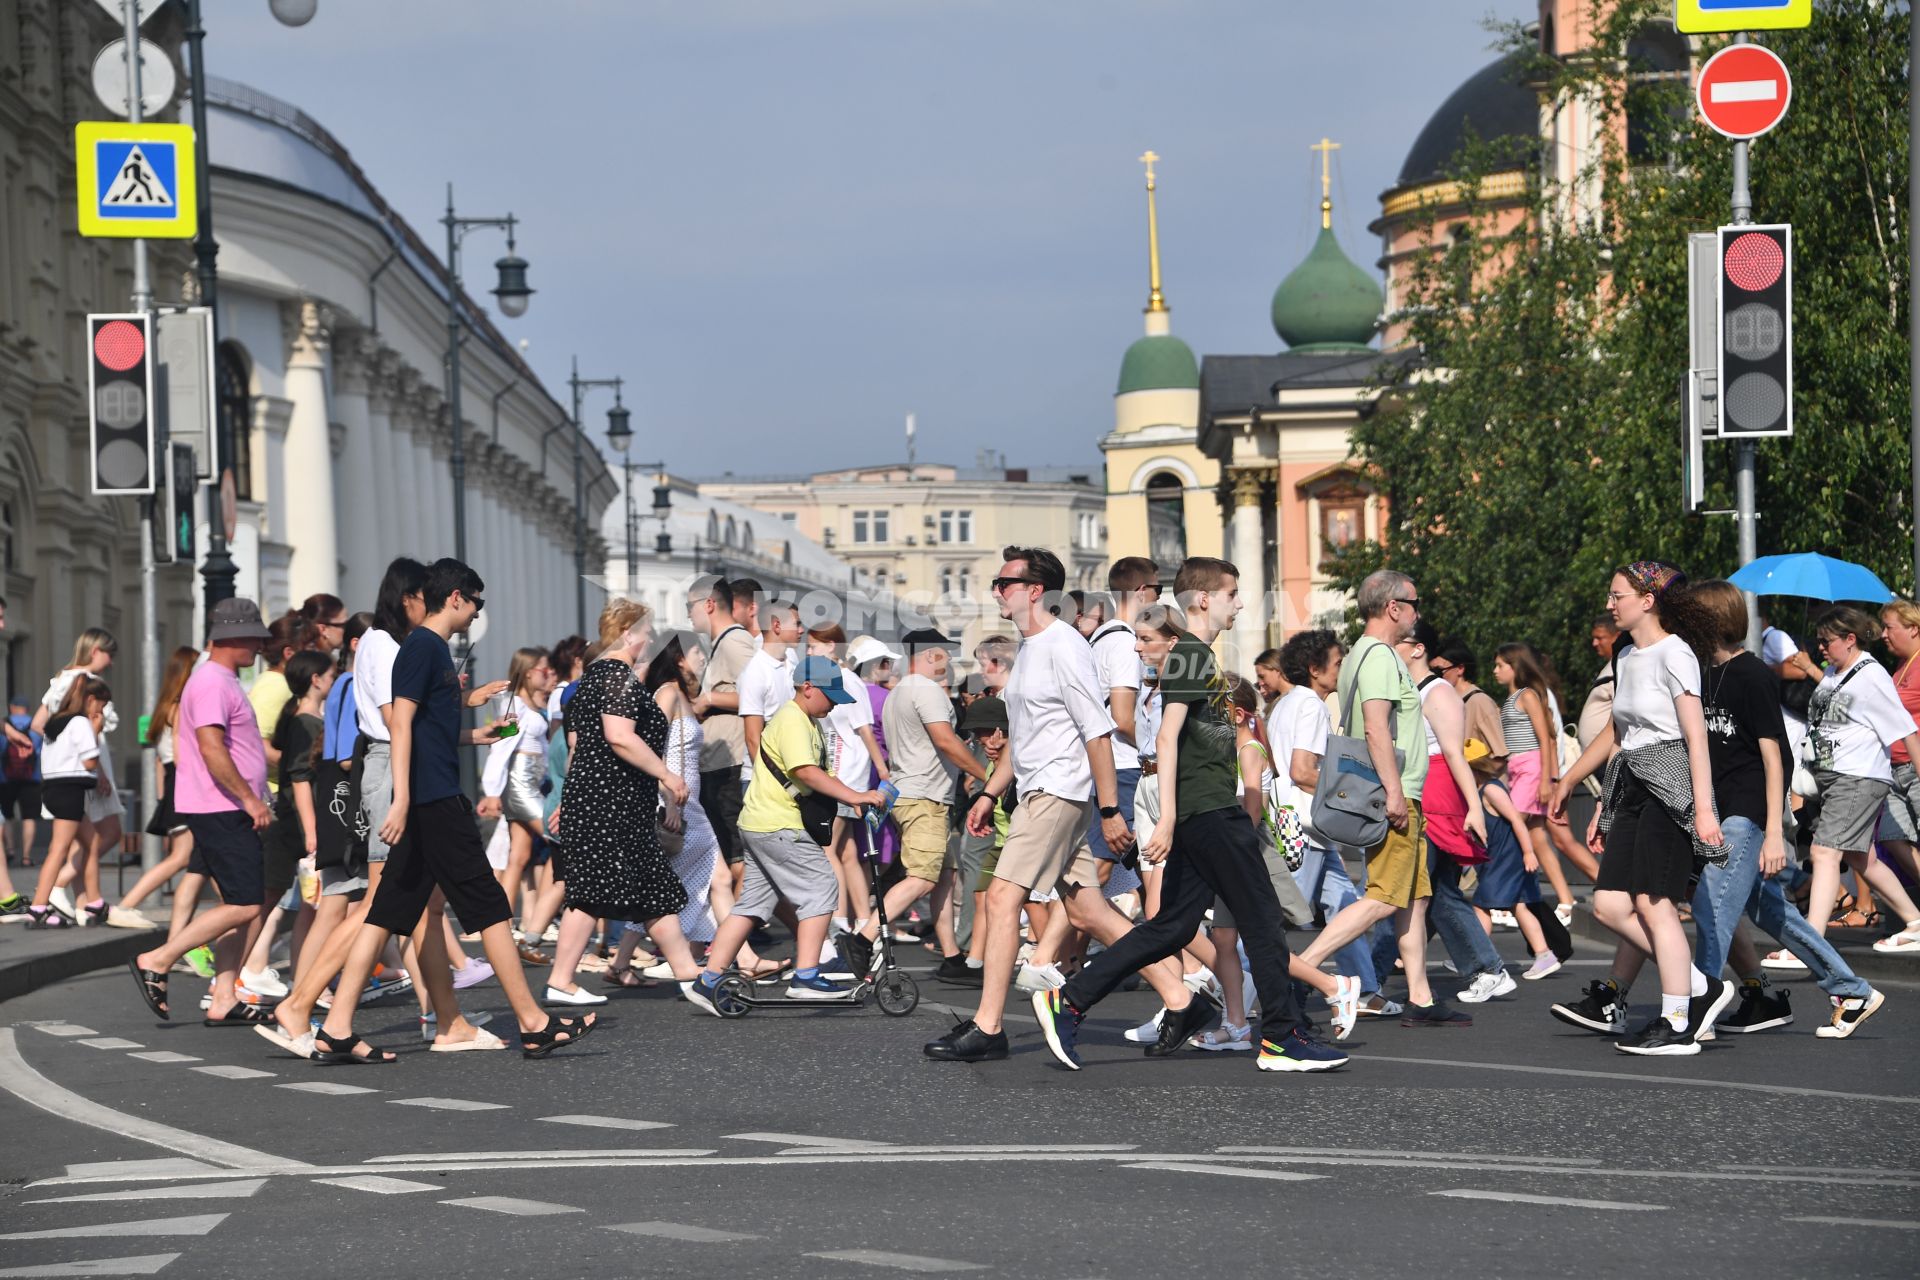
1913,298
218,573
1744,451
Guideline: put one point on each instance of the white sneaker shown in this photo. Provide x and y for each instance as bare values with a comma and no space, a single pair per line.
1544,964
579,995
1783,960
121,918
1503,920
1905,942
265,981
1486,986
1148,1031
552,935
1564,914
1849,1014
1039,977
1224,1038
662,972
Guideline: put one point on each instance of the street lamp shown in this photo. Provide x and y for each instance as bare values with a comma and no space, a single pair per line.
512,293
293,13
579,386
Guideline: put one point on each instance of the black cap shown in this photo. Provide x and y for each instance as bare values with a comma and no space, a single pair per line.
985,715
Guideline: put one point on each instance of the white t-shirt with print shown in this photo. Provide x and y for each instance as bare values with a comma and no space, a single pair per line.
1646,681
1855,716
847,753
65,757
1118,666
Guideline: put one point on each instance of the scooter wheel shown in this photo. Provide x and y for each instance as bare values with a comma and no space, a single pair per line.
731,997
896,993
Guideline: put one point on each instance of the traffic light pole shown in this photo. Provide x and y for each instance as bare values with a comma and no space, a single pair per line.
218,573
1744,451
1913,296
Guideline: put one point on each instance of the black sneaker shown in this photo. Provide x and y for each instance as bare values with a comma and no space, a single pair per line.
1601,1010
1761,1009
1658,1039
956,972
1437,1014
968,1043
1177,1028
1705,1009
856,953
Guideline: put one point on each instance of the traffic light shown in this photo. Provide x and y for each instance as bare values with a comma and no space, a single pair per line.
182,489
1756,331
120,402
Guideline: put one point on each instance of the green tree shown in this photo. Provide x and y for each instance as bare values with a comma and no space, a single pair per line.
1536,442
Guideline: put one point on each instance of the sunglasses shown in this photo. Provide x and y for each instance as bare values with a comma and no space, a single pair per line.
1002,584
477,603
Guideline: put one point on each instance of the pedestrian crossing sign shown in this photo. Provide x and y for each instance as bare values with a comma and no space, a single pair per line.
1696,17
136,180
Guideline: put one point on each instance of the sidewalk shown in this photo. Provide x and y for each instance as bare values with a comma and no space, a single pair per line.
33,958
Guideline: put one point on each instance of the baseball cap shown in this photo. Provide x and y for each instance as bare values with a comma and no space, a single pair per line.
985,715
824,675
865,649
235,618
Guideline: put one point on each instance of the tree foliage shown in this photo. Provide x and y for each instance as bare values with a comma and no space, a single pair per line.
1536,444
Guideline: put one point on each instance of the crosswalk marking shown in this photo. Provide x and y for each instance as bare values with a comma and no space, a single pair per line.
192,1191
605,1122
681,1231
163,1166
1894,1223
328,1087
448,1104
551,1153
235,1073
111,1042
195,1225
64,1029
143,1265
898,1261
163,1055
379,1184
514,1205
1515,1197
1230,1170
802,1140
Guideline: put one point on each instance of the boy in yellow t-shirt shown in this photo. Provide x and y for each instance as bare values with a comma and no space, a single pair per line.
782,860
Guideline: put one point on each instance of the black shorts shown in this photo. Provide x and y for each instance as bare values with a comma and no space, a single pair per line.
65,799
721,795
1647,852
20,800
226,850
283,846
441,848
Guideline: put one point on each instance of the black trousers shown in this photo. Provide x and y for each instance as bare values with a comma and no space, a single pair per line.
1215,854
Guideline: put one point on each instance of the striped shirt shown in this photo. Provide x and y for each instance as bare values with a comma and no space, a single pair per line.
1516,726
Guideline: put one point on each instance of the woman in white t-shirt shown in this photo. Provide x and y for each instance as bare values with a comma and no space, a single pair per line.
100,827
1855,717
70,769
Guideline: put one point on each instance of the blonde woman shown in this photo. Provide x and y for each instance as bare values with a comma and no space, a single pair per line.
100,825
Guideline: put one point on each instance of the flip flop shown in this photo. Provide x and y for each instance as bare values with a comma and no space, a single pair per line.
153,988
482,1039
300,1046
241,1015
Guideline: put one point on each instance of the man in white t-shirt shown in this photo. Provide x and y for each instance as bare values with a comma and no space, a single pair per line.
1060,750
766,682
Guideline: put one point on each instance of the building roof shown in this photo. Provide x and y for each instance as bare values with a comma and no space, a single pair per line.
1158,362
1328,302
1493,102
739,532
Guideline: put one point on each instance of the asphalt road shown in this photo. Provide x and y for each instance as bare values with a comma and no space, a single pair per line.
822,1144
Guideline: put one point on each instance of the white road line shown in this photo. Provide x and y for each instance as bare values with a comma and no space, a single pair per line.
1818,1168
513,1205
327,1087
605,1122
433,1157
985,1148
196,1225
144,1265
1585,1171
235,1073
1402,1154
117,1170
803,1140
111,1042
681,1231
378,1185
164,1055
191,1191
898,1261
22,1081
448,1104
1896,1224
1635,1077
63,1029
1515,1197
1229,1170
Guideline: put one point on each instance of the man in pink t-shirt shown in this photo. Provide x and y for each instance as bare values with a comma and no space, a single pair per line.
220,779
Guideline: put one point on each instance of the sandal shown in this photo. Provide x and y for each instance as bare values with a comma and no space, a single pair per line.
153,988
327,1048
558,1031
764,970
626,977
241,1015
1855,918
530,954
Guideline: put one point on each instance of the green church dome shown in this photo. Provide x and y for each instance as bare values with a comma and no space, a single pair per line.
1159,362
1328,303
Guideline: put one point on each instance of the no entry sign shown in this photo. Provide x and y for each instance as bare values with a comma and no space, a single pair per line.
1743,90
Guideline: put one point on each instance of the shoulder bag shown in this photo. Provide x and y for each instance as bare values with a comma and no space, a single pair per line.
1350,802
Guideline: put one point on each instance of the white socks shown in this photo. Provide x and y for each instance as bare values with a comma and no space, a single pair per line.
1697,979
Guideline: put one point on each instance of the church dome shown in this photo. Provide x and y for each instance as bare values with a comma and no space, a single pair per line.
1328,303
1494,104
1159,362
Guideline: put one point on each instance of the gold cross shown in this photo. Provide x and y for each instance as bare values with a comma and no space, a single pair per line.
1149,160
1326,147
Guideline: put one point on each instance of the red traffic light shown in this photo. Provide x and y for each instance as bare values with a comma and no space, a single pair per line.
119,345
1754,261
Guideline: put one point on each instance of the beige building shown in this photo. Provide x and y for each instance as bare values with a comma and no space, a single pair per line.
932,533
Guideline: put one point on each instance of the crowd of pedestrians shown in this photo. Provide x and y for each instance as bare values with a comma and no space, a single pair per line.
737,798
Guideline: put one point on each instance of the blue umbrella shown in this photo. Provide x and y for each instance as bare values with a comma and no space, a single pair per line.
1810,574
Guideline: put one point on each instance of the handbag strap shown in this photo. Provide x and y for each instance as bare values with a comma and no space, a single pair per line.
1353,691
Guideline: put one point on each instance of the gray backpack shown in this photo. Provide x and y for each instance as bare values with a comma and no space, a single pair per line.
1350,802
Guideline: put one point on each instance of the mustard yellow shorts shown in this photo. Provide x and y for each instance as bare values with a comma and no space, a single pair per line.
923,837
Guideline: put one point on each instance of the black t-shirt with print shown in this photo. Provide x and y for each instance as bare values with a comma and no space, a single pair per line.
1742,706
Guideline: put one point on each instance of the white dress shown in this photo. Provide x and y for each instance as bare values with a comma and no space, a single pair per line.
699,847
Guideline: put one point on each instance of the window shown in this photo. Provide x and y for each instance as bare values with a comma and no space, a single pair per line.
1086,530
946,580
870,526
1166,519
956,526
235,406
6,536
965,579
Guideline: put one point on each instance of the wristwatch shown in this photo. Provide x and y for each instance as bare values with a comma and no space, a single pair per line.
1109,810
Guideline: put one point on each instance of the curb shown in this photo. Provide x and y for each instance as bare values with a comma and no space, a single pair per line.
1861,958
20,976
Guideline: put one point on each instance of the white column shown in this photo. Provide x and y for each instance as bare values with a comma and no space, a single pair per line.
311,530
1249,554
436,475
389,519
357,496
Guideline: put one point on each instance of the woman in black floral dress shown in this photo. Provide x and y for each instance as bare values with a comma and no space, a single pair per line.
615,867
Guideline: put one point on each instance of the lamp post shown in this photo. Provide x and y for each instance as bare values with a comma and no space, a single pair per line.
620,436
513,293
579,386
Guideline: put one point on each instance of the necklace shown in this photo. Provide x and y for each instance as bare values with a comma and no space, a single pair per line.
1716,677
1900,677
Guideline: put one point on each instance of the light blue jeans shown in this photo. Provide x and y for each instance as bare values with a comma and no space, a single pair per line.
1323,879
1725,893
1454,918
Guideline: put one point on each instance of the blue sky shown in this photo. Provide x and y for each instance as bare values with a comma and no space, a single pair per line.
788,223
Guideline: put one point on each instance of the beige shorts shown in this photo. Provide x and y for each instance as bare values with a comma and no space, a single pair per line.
1047,844
923,837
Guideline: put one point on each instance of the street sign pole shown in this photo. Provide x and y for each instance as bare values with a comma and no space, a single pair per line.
1744,451
1913,296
